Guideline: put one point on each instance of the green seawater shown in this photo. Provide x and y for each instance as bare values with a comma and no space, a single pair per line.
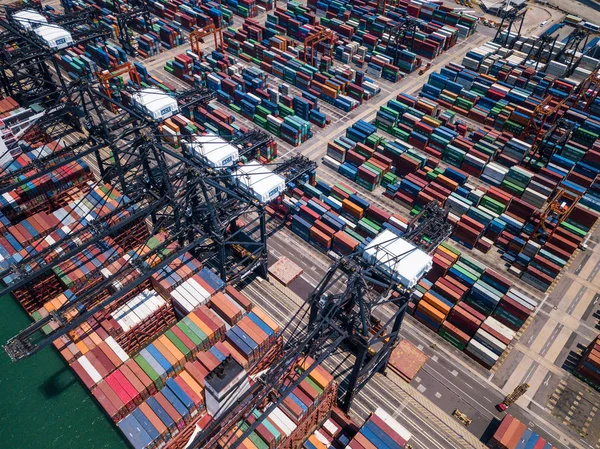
42,403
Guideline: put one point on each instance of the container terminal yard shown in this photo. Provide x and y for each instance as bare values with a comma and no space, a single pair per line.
302,224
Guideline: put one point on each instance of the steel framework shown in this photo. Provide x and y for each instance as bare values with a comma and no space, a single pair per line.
29,72
574,40
198,205
125,15
401,34
322,38
545,43
510,16
348,307
552,141
197,38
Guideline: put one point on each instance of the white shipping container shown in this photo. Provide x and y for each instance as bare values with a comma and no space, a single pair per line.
181,302
500,328
516,294
489,341
395,425
89,369
204,294
481,352
322,438
282,420
117,349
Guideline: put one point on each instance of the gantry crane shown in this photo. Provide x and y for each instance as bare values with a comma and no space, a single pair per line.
560,206
29,71
350,307
571,47
323,37
402,33
589,89
192,207
125,14
197,204
551,142
544,44
510,15
197,38
545,112
106,76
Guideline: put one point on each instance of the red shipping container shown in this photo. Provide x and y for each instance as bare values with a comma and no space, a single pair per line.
324,228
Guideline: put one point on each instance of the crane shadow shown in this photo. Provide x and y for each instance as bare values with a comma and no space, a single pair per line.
58,382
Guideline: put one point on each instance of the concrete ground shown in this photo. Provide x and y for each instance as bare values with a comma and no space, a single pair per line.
586,9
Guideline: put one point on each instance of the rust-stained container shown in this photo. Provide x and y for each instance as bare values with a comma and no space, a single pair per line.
149,386
112,396
225,308
501,430
197,371
238,297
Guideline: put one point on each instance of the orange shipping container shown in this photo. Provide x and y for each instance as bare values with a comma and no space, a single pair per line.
353,209
510,432
430,311
439,305
447,182
168,344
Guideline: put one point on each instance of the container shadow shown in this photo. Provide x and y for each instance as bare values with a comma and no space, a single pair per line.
489,431
58,383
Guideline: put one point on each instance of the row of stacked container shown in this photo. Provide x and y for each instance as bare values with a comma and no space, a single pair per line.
505,215
342,87
146,356
245,91
588,367
334,218
380,431
426,11
471,306
366,45
86,60
33,230
157,384
192,14
154,36
513,434
305,407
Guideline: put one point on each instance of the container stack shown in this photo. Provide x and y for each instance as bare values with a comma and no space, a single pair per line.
381,431
341,87
438,31
244,90
336,431
513,434
335,218
474,308
189,13
588,368
36,227
155,390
